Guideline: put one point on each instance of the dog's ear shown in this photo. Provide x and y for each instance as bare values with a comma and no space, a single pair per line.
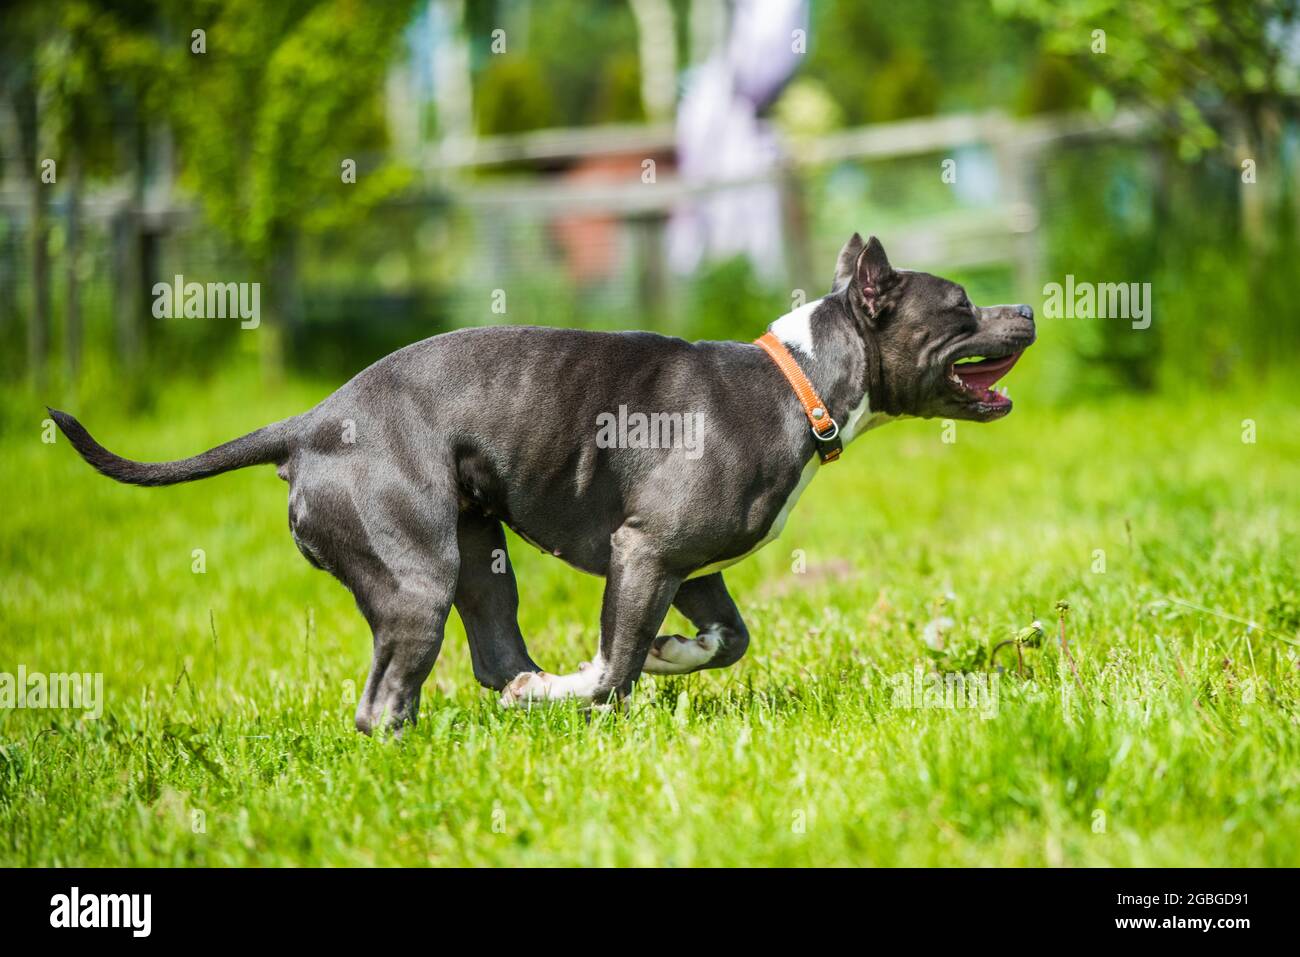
847,264
872,277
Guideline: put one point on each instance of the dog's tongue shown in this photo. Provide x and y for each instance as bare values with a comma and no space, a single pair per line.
981,375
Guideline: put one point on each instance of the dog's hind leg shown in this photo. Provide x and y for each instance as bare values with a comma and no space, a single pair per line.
722,637
406,593
487,600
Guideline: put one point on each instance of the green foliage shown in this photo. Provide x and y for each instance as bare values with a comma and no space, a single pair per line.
903,86
1187,58
513,96
807,110
619,100
566,63
282,96
882,60
1112,214
1054,85
1099,226
92,62
727,301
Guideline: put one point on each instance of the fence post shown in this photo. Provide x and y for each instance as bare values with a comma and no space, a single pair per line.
1018,172
652,273
794,215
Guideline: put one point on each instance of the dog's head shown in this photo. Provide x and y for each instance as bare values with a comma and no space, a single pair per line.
939,355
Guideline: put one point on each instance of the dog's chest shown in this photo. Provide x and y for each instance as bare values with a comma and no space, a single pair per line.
855,425
778,523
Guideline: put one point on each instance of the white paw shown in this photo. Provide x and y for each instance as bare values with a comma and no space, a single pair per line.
675,655
535,687
526,687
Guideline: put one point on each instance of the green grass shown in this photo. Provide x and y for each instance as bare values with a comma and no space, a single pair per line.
1180,749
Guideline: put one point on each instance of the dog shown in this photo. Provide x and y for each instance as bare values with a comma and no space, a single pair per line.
400,482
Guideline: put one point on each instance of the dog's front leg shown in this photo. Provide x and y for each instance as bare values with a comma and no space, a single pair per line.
487,599
638,591
722,636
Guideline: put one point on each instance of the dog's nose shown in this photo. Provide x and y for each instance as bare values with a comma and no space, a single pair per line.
1026,312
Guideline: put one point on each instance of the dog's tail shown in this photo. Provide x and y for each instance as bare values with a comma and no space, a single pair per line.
269,444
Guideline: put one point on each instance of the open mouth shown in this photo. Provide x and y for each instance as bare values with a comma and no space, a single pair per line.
974,377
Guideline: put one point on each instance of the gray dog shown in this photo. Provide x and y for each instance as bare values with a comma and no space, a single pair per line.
647,460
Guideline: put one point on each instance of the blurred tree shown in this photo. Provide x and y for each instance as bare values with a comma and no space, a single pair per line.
267,115
1186,58
1054,85
881,60
905,85
620,92
806,109
99,78
1213,74
513,96
80,78
22,27
728,301
553,50
265,105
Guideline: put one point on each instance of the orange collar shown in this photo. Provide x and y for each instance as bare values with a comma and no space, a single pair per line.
824,428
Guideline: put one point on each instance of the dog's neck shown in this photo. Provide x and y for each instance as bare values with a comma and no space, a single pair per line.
840,358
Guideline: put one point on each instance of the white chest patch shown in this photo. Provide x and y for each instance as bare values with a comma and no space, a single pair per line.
795,328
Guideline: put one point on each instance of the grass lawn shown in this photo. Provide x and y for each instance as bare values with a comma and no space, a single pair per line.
226,736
